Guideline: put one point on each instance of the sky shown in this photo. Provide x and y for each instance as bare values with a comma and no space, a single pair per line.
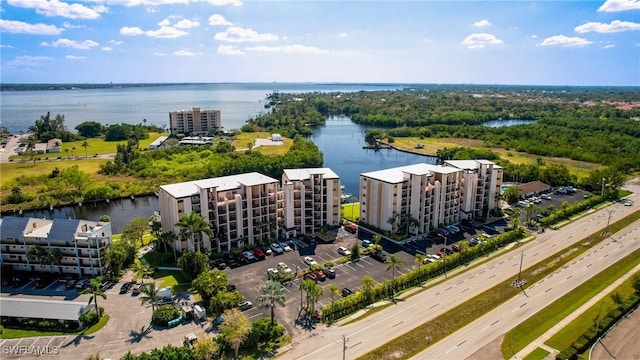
478,42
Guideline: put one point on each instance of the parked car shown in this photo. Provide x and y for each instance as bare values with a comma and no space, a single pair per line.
248,255
70,284
546,196
351,228
344,251
240,258
311,276
245,305
136,289
218,263
367,243
320,275
329,272
272,273
285,246
125,288
81,284
41,283
284,268
257,251
452,229
309,261
267,250
277,250
380,256
455,248
230,287
346,292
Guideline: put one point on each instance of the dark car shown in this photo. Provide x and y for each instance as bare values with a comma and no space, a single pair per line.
240,258
311,276
257,251
320,274
125,288
346,292
218,264
232,263
231,287
380,256
329,272
70,284
41,283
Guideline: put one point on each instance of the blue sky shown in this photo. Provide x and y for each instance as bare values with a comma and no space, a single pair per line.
481,42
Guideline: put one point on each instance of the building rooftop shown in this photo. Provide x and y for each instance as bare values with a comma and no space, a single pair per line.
43,309
13,227
396,175
304,174
470,164
223,183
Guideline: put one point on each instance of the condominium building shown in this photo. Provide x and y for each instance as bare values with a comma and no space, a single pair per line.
252,208
195,121
413,199
422,197
312,200
481,186
58,246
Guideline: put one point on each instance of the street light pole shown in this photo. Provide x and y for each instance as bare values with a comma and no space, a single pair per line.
602,191
345,339
521,258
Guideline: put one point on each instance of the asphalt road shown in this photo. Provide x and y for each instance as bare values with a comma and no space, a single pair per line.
374,331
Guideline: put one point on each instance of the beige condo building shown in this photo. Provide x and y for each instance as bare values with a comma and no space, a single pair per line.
481,184
195,121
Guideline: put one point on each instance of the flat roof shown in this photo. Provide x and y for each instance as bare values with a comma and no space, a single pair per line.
304,174
396,175
223,183
43,309
470,164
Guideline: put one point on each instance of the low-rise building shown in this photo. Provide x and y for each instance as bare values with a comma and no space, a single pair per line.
58,246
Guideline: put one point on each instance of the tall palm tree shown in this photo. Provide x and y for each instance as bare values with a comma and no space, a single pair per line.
271,294
419,260
515,218
141,270
192,226
313,295
306,286
367,286
393,262
333,290
94,290
149,295
393,221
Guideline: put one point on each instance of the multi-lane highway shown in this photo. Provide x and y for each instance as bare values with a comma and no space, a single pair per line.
374,331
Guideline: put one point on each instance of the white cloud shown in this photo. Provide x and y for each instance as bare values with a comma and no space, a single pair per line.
217,19
482,23
19,27
229,50
131,31
27,60
186,24
6,46
106,48
166,32
225,2
343,34
238,34
619,5
72,57
615,26
565,41
164,22
609,46
68,25
115,42
289,49
480,40
184,53
534,36
82,45
60,8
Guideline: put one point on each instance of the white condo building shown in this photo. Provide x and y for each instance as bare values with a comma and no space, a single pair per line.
66,245
427,196
253,208
194,122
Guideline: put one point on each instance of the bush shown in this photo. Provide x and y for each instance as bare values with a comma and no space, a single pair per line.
89,318
164,314
263,332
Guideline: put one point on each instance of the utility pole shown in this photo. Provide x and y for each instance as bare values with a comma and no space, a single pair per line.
345,339
521,258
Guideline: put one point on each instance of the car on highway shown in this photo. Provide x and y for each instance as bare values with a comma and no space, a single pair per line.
344,251
346,292
309,261
277,250
245,305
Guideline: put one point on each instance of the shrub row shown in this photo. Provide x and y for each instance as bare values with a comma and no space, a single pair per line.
566,212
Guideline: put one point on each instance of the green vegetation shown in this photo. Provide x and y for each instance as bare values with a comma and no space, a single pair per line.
174,279
350,211
9,333
537,354
165,313
412,342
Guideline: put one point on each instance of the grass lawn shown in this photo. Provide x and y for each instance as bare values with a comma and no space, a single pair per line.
156,259
173,279
537,354
351,211
242,141
17,333
565,337
12,170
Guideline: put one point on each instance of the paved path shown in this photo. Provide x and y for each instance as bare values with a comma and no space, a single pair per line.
540,341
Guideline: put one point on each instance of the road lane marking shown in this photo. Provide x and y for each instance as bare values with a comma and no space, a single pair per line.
432,306
522,305
548,290
462,343
495,322
394,325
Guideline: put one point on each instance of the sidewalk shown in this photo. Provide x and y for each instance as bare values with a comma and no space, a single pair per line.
539,342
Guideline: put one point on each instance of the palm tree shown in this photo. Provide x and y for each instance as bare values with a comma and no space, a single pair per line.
306,286
333,290
94,290
419,260
271,293
73,151
193,225
141,270
393,262
515,218
367,285
149,295
313,295
393,220
37,254
85,145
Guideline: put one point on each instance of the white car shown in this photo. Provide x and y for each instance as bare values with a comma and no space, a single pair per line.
272,272
309,261
248,255
284,268
344,251
285,247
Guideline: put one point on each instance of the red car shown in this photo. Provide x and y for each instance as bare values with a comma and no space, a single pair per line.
258,253
311,276
320,275
351,228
